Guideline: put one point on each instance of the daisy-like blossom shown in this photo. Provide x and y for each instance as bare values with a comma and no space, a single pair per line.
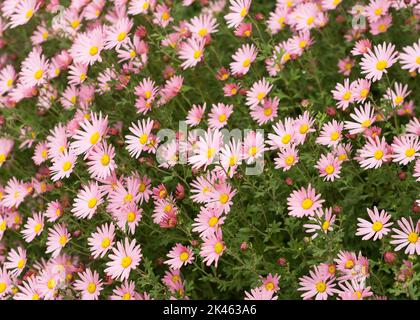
238,9
410,57
317,284
284,135
28,290
126,291
140,136
54,211
377,227
331,134
208,221
77,73
162,15
376,9
286,158
208,147
129,216
221,197
40,153
322,221
195,114
23,12
258,92
14,193
303,126
306,16
212,248
16,261
101,161
405,149
88,46
343,94
364,117
125,257
351,266
87,201
361,47
48,282
191,52
6,146
92,132
118,34
381,25
219,115
304,202
254,147
374,153
277,19
101,241
329,167
5,282
179,256
267,112
140,6
7,79
260,294
375,63
408,236
89,285
34,69
398,95
270,283
242,59
231,157
33,227
63,165
202,25
58,237
413,127
299,42
360,89
354,290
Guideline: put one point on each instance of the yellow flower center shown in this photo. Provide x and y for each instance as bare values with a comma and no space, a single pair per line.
184,256
222,118
202,32
128,197
145,5
197,54
121,36
105,160
366,123
234,91
126,296
142,187
51,284
261,96
93,50
224,198
75,24
329,169
302,44
82,76
325,225
321,286
44,154
9,82
310,20
126,262
105,243
347,96
213,221
167,208
307,204
58,212
38,74
3,287
91,288
303,128
364,93
94,137
269,286
378,154
3,226
232,161
21,264
286,138
410,152
252,151
29,14
45,35
66,166
35,296
349,264
92,202
381,65
413,237
2,158
289,160
165,16
382,27
132,53
268,112
335,135
143,138
243,12
378,11
210,153
377,226
398,100
246,63
63,240
247,33
218,248
131,216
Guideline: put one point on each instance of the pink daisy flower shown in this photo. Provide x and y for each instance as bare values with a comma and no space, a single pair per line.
195,114
34,69
5,282
14,193
162,15
54,211
212,248
260,294
397,97
102,240
375,63
87,201
254,147
58,237
141,135
242,59
317,284
238,9
267,112
16,261
202,25
63,165
360,89
101,161
329,167
277,19
356,290
405,149
124,258
23,12
323,221
364,117
33,227
303,126
77,73
374,153
28,290
117,34
6,146
286,158
258,92
410,57
40,153
407,237
140,6
88,46
343,94
208,221
191,52
377,227
207,150
129,217
89,285
304,202
284,134
179,256
126,291
219,115
93,130
361,47
7,79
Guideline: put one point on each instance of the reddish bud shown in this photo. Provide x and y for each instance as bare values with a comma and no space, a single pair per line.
281,261
389,257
